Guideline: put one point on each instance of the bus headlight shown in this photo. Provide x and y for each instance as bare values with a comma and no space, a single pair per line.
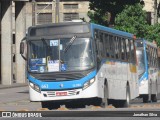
34,86
88,83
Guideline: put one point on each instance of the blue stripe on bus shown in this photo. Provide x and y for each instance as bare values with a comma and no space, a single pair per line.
55,85
143,77
110,30
145,74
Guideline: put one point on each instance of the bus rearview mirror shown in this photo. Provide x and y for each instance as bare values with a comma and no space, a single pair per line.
23,50
21,47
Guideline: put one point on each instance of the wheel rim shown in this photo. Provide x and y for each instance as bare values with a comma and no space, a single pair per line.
105,94
127,97
104,100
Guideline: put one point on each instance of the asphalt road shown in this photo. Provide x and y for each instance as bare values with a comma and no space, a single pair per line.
17,99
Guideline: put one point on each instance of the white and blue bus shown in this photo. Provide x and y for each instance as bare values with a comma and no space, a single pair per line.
70,62
149,83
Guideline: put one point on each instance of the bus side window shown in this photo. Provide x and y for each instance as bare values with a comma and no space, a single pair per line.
102,47
132,52
95,34
122,49
116,48
107,46
119,48
156,58
148,55
127,50
99,44
112,47
151,55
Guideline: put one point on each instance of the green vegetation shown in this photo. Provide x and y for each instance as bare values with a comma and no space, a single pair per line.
106,10
133,19
126,15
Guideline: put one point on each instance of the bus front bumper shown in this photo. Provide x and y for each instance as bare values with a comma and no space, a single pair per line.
90,92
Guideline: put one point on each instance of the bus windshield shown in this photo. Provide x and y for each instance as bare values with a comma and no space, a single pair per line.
141,63
51,55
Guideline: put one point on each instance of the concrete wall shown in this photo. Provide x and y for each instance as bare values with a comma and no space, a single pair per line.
16,16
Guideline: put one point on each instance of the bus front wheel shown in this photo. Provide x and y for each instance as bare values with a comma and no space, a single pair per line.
49,105
123,103
128,98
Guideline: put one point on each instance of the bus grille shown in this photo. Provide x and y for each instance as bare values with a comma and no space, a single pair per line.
54,93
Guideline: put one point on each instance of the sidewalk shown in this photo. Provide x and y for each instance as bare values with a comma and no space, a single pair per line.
13,85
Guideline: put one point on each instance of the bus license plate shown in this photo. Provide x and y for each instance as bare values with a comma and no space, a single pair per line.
61,93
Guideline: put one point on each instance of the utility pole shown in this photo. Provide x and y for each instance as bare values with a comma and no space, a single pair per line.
57,11
33,12
155,12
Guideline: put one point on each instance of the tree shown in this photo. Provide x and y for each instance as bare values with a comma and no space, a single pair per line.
153,33
132,19
102,7
98,17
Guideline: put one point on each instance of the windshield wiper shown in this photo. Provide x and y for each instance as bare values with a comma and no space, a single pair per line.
70,43
44,41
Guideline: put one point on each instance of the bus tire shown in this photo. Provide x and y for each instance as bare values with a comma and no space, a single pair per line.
154,96
124,103
72,105
145,98
104,101
49,105
128,97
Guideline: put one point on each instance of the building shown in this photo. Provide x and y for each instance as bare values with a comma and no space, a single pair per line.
45,12
151,7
